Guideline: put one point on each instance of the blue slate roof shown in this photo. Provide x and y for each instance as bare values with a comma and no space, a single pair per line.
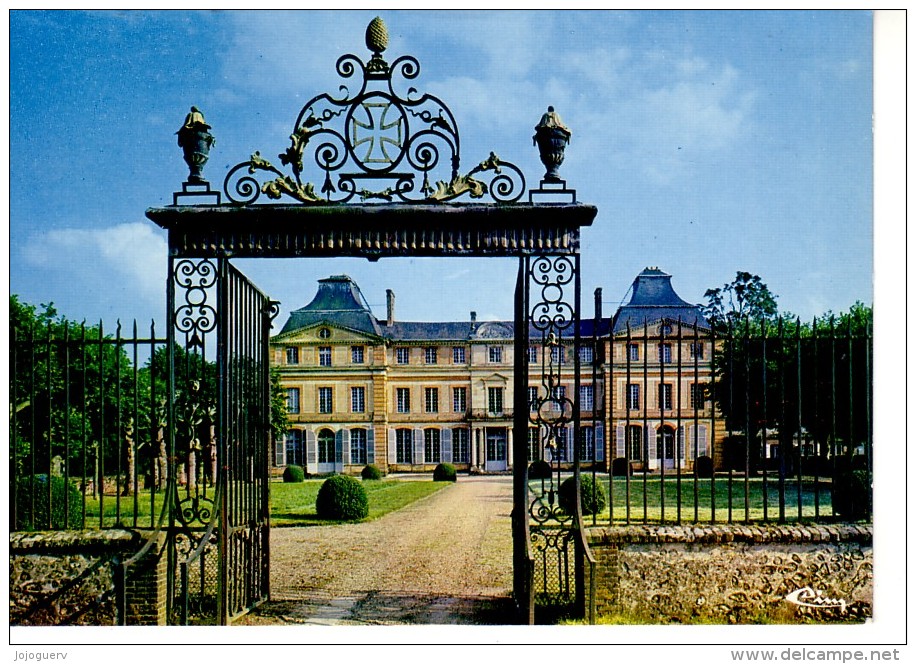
653,299
338,302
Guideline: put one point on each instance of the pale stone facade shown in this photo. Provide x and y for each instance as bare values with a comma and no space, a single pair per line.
406,396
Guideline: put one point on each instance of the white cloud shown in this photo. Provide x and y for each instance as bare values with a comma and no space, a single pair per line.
133,252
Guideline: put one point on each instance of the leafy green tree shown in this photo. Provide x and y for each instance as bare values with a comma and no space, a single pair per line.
72,394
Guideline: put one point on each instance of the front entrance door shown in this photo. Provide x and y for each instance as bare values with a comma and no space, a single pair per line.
326,451
665,447
497,449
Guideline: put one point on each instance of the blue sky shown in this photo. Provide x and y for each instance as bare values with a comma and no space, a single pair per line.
710,142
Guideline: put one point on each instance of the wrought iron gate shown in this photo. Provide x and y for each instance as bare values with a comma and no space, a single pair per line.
219,410
550,549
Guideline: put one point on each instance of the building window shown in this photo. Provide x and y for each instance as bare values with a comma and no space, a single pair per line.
357,354
292,355
533,399
664,396
404,445
431,395
292,400
532,354
358,446
665,330
534,444
324,356
562,444
664,353
432,355
295,448
632,396
634,442
586,354
461,449
433,447
697,395
633,352
358,399
495,353
459,399
327,447
696,351
587,444
586,397
403,399
458,355
325,400
558,404
403,355
557,354
495,400
324,333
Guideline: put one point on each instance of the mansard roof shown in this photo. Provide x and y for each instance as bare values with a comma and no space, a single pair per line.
339,302
653,299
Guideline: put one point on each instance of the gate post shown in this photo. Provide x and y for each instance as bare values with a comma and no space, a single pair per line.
522,563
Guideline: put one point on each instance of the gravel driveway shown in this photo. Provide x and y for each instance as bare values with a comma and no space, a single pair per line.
445,559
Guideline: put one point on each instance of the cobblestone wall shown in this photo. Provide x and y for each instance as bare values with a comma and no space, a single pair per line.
734,574
68,578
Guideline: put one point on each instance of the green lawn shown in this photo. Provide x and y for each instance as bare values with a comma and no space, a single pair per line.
291,504
645,499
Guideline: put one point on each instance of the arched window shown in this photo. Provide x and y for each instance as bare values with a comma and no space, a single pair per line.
326,451
431,438
358,439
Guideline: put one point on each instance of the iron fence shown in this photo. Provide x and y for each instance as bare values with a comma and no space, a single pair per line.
87,419
750,422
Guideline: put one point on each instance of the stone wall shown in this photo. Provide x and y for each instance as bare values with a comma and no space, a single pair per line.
733,574
69,578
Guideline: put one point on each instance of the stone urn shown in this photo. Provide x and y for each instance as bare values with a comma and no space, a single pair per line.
551,137
195,139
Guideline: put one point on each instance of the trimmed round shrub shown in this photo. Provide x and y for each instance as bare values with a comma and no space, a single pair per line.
539,470
293,474
445,472
592,495
371,472
620,467
32,510
851,493
703,467
342,498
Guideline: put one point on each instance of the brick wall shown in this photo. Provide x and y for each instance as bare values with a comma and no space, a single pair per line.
69,577
734,574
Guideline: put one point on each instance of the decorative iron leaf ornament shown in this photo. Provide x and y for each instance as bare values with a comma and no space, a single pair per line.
377,142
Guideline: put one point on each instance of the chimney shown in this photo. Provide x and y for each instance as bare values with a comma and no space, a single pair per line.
390,294
473,316
597,304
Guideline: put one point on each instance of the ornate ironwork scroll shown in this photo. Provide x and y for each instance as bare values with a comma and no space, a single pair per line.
552,284
378,142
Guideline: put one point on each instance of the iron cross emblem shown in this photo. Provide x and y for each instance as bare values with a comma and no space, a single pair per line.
380,130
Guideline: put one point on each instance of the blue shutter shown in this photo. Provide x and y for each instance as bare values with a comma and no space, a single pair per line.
392,447
345,456
653,450
621,441
599,442
418,455
311,452
702,440
338,450
370,445
679,451
446,445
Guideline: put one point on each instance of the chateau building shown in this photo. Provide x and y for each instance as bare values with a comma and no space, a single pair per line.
409,395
